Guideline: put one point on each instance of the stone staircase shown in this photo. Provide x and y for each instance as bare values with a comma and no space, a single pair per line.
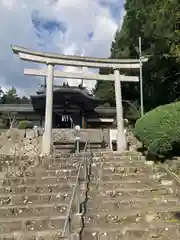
130,199
117,196
36,202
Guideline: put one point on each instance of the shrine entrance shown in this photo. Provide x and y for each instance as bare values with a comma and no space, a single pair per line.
62,121
50,59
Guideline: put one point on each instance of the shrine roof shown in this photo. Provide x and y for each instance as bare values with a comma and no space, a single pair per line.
69,90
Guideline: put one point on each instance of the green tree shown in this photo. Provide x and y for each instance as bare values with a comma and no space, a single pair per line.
1,94
10,97
156,22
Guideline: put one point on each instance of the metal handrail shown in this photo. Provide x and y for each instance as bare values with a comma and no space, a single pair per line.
75,189
71,202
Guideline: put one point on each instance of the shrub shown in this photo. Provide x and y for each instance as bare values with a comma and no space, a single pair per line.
159,130
25,124
2,124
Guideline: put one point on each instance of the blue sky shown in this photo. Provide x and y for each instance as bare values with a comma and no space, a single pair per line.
75,27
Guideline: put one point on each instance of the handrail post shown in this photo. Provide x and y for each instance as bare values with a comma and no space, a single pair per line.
77,144
77,135
69,227
89,146
89,167
77,199
85,168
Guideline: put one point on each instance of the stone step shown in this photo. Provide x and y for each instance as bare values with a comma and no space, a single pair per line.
133,203
33,210
34,223
121,177
130,192
64,150
63,143
122,158
63,147
36,198
36,180
70,156
125,217
108,185
161,231
152,174
125,176
126,153
61,165
158,234
65,156
54,173
104,185
153,230
119,199
125,170
46,234
120,164
61,155
42,172
72,145
41,188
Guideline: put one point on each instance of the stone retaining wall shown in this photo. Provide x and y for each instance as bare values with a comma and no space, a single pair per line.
16,142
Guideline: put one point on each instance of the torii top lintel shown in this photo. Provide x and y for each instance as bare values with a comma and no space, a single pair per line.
69,60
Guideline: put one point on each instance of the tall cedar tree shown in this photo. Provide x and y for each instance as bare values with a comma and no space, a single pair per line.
157,23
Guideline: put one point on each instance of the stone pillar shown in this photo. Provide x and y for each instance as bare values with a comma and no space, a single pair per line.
47,136
119,113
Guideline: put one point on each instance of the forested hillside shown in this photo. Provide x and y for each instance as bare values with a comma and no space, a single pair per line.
157,23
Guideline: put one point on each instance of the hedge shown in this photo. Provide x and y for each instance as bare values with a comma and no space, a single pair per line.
159,130
25,124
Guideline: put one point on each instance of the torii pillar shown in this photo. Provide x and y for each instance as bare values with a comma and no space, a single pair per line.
47,136
121,141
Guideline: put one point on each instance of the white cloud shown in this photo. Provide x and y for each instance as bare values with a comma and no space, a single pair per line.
8,3
77,19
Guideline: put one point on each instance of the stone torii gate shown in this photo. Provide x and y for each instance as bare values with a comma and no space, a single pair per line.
51,60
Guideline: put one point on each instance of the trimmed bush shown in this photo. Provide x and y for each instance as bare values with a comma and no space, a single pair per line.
159,130
25,125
